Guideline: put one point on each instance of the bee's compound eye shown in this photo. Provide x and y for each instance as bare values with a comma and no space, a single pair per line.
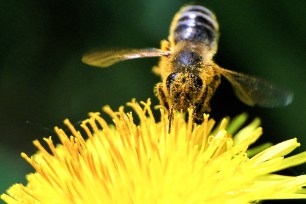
171,78
198,82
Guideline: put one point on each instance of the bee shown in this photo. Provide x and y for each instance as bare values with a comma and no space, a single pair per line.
189,75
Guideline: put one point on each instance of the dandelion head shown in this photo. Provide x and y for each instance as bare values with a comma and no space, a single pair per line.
146,163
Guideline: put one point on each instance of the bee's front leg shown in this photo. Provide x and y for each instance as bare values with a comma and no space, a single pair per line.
160,94
201,108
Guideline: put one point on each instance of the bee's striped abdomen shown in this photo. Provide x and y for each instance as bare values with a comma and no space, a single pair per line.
195,24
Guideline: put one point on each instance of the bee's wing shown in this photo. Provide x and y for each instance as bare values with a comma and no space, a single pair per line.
254,91
110,57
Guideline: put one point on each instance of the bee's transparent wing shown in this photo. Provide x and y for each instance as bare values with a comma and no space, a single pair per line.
110,57
254,91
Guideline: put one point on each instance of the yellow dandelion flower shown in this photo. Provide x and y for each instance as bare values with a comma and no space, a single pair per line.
145,163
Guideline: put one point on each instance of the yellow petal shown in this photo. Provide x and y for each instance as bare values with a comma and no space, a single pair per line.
145,163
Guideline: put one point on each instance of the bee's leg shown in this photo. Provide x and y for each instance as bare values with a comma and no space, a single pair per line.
170,118
160,94
200,108
203,104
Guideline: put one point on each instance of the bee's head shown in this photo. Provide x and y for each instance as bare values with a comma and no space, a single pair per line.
184,89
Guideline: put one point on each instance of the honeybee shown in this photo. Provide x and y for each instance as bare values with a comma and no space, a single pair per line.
189,75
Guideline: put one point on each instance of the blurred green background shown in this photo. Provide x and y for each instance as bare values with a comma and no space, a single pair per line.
43,81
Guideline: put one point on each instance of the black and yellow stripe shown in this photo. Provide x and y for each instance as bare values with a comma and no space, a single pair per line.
195,24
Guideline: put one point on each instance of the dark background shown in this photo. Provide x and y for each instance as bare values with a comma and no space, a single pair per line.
43,81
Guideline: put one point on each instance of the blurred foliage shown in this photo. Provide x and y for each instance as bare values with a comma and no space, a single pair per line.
43,81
